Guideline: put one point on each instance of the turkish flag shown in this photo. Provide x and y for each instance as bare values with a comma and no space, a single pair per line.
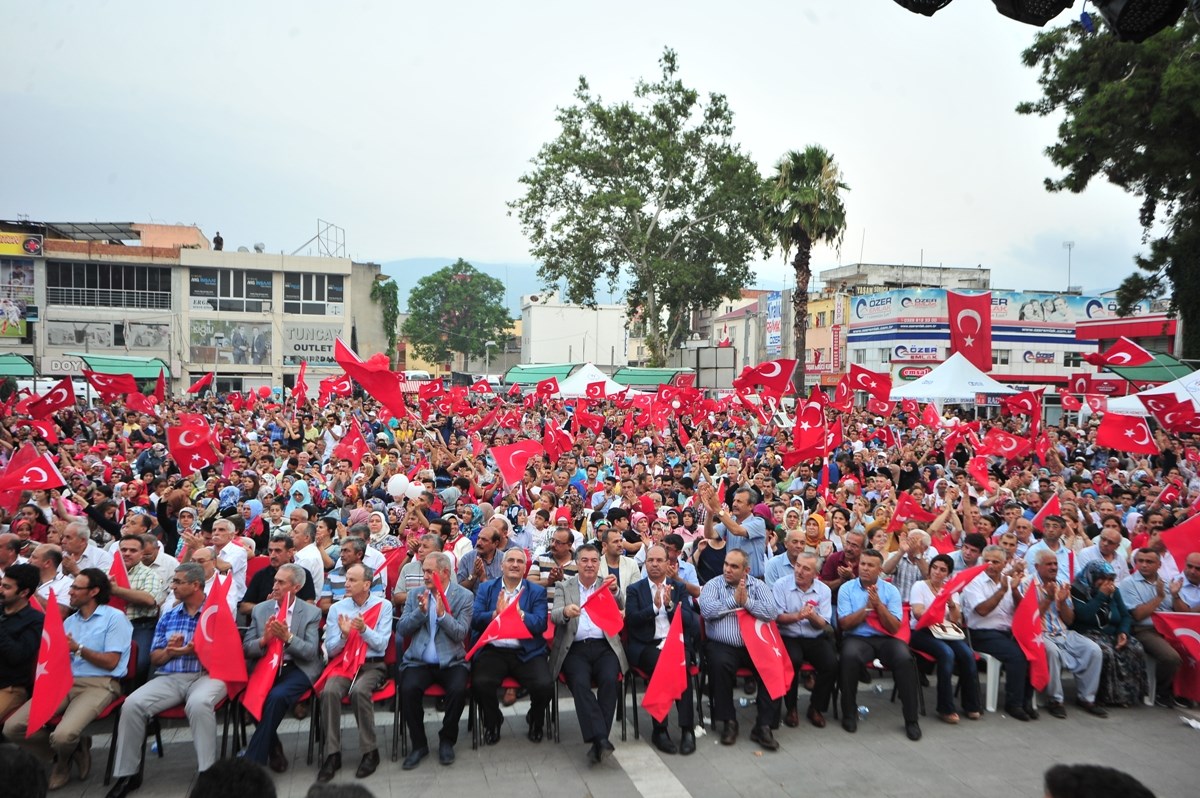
1027,631
1169,494
110,385
300,390
263,678
774,375
352,446
930,417
374,375
52,680
1008,446
1097,404
514,390
334,386
1069,402
511,459
191,444
907,509
843,396
833,436
202,383
670,678
595,390
1183,539
1123,353
1025,403
910,406
139,402
217,642
1051,507
1182,630
505,626
770,658
903,632
603,611
59,397
935,613
40,473
1173,415
160,387
880,407
9,499
590,421
431,389
481,386
345,663
45,430
119,577
1161,402
971,327
547,387
977,468
873,382
1126,433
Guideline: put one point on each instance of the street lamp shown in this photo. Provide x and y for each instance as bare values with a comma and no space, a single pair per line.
1068,246
487,358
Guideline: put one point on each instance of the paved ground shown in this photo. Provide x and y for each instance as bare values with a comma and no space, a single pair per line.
996,756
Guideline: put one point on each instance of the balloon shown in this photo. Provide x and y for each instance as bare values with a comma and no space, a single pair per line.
397,486
415,490
264,391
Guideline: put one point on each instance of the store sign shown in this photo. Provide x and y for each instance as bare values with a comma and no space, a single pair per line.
311,342
21,244
903,352
913,372
1041,358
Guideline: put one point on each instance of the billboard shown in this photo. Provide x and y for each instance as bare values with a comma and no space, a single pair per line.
233,343
773,325
311,342
26,245
97,335
16,294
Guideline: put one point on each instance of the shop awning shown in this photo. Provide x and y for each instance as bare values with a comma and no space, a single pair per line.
1165,368
636,377
533,373
142,368
14,365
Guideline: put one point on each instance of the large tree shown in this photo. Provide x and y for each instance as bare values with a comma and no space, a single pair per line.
655,190
1131,113
455,309
803,208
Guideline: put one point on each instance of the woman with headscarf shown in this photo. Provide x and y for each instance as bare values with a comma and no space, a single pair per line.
1101,614
381,534
299,497
255,527
689,529
815,542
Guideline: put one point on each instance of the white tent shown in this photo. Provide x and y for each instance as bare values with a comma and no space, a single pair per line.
956,380
1184,389
575,386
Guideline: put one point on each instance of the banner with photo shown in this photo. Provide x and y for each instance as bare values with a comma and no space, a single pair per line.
230,343
16,295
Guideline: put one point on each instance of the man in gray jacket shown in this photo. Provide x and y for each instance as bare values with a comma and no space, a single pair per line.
435,655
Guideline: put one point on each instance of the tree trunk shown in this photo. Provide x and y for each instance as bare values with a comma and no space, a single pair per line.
651,326
801,264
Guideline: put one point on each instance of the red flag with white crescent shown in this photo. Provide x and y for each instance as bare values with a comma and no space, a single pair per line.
669,679
1052,507
39,473
110,385
60,397
1126,433
263,678
202,383
875,383
971,327
217,642
1027,631
52,677
766,650
1124,353
512,459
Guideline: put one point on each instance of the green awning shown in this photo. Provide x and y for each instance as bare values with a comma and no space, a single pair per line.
1165,368
533,373
14,365
635,377
141,368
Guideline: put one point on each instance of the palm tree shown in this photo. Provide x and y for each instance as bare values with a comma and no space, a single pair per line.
804,207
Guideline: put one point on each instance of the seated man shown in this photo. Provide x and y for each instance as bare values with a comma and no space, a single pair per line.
679,568
725,651
99,638
410,575
180,679
435,654
859,602
585,655
362,611
141,599
805,623
1185,591
524,660
988,603
352,552
650,606
1064,647
1146,593
301,660
20,635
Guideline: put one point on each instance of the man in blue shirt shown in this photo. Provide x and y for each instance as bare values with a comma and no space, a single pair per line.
869,614
741,529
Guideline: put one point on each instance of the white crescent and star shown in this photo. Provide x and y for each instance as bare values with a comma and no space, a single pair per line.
958,322
1143,435
204,619
771,369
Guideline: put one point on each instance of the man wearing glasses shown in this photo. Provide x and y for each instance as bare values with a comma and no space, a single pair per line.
485,561
180,679
98,639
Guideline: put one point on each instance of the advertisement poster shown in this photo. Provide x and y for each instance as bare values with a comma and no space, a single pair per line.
234,343
310,342
773,325
16,294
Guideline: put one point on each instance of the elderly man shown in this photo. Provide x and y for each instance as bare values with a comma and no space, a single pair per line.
20,635
805,621
557,562
1146,593
781,565
231,557
1064,647
585,655
80,553
869,614
650,606
10,548
301,660
47,558
98,638
141,600
1107,548
435,655
909,564
370,615
1185,591
262,584
842,566
352,552
988,604
410,575
523,660
725,650
741,529
484,561
180,679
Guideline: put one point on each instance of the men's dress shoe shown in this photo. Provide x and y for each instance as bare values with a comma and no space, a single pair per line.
792,718
750,687
60,774
606,745
491,736
414,758
1017,712
729,733
850,724
661,739
124,785
595,753
82,758
446,753
276,759
913,730
762,735
535,726
687,742
1092,708
816,718
331,765
1056,709
367,766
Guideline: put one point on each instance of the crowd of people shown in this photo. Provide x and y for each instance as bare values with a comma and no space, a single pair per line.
420,553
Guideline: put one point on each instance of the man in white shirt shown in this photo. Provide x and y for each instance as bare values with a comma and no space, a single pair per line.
307,554
162,564
79,552
206,559
231,557
1108,549
988,603
47,558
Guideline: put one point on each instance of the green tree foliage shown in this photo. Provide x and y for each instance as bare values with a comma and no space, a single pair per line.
804,207
387,294
1131,113
455,309
654,188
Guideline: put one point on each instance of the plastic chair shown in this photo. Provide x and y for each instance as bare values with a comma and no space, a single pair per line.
636,673
113,709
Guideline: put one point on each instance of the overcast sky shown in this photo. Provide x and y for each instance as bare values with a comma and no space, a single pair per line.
409,126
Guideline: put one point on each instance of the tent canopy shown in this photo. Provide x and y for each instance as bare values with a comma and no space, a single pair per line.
141,368
956,380
1184,389
637,377
533,373
576,385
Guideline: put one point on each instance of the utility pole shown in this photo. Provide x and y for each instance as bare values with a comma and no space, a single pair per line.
1068,246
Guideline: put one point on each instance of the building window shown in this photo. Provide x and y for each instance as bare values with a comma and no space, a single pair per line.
107,285
236,290
885,355
860,356
1000,357
1072,359
821,319
314,294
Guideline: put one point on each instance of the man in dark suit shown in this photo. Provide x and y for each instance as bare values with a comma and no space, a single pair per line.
584,654
650,606
435,654
301,661
524,660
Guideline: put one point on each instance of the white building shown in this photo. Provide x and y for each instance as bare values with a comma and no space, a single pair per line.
556,332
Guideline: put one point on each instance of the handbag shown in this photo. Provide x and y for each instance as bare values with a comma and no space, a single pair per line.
947,630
